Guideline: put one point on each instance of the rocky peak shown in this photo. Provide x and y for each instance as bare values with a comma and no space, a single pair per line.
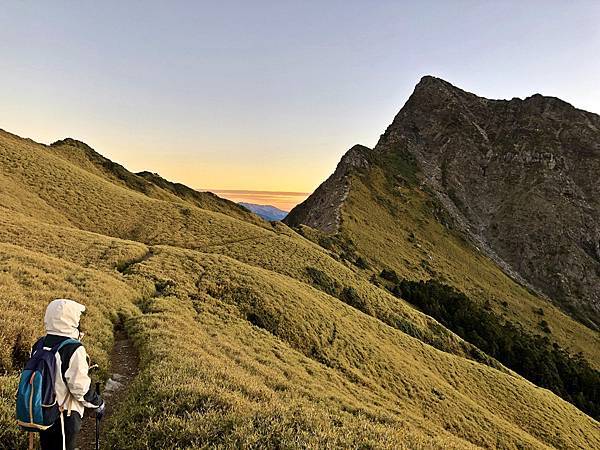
322,208
356,157
431,85
435,92
433,103
519,177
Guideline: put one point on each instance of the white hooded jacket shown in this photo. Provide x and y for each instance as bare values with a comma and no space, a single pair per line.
62,319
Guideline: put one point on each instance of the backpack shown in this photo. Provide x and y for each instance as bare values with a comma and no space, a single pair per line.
37,408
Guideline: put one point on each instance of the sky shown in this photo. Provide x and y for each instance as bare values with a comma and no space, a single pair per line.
268,95
280,199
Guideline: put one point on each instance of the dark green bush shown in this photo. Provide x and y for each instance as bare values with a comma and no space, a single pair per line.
322,281
351,297
361,263
532,356
545,327
390,275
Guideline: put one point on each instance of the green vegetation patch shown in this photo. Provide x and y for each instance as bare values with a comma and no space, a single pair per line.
400,165
532,356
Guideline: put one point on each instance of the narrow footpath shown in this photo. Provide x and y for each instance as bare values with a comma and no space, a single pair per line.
124,368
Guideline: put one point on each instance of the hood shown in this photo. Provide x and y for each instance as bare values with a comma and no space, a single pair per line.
62,318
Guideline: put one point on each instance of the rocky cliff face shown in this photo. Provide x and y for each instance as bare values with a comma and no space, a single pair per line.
521,177
321,210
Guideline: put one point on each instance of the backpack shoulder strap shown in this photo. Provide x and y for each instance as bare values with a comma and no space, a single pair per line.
39,344
66,342
65,356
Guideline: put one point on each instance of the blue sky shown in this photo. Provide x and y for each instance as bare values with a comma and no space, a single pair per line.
268,95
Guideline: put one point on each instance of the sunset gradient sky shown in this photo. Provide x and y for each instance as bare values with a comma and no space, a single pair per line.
267,95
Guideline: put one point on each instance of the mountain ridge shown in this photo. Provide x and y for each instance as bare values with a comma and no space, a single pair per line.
330,195
251,334
267,212
480,157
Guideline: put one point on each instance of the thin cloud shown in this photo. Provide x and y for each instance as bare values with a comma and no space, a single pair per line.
280,199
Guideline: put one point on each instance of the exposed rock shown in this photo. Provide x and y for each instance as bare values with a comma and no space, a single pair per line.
521,177
523,174
322,208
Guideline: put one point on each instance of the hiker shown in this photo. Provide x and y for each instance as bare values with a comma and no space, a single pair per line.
72,384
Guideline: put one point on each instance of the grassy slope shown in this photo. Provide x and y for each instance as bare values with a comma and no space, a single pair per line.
384,376
397,228
29,280
91,202
147,183
314,372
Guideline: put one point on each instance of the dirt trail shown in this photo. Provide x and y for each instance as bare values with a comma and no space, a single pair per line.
123,369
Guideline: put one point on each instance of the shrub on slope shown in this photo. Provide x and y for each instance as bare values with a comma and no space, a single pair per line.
399,226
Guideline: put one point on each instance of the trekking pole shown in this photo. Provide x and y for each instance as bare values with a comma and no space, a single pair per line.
97,420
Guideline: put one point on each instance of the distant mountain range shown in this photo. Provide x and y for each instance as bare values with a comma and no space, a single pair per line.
283,200
267,212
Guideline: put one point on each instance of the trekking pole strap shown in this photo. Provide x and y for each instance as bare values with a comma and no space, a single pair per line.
97,421
62,429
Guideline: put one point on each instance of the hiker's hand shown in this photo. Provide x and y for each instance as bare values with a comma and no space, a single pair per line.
100,410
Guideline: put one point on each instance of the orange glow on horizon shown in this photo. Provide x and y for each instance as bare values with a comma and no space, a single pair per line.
280,199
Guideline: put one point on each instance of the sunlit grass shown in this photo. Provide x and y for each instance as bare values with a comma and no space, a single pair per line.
399,231
239,346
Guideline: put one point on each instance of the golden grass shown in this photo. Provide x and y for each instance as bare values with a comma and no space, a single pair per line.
244,388
84,248
90,202
237,348
414,244
315,348
29,282
151,185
